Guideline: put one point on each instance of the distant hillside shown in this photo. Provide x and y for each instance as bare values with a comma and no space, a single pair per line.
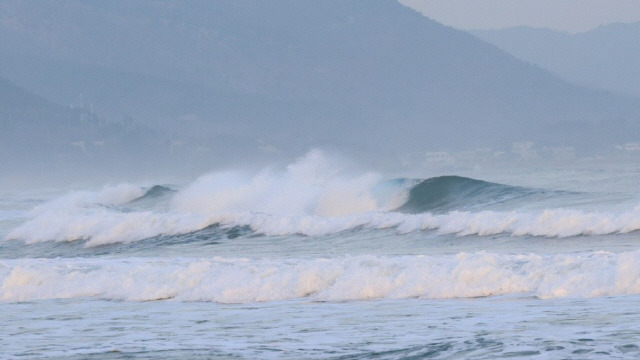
36,135
13,98
605,58
245,77
30,124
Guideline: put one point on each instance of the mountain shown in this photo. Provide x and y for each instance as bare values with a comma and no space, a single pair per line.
247,78
605,58
30,126
40,137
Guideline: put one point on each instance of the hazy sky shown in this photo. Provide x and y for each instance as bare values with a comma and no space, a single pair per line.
566,15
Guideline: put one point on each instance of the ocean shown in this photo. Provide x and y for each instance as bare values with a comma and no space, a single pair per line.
319,260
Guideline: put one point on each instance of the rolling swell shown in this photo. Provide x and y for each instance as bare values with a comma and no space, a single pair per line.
446,193
292,206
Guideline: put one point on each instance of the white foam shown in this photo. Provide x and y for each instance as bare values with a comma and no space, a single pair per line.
225,280
311,186
314,197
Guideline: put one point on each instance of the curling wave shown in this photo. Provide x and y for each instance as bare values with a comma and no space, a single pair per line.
311,198
447,193
153,193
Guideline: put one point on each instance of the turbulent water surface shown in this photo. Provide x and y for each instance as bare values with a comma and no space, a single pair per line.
314,262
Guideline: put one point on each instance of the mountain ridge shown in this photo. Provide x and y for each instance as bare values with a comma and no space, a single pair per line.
604,58
368,78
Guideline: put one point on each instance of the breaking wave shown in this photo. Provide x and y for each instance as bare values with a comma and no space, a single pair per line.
313,197
238,280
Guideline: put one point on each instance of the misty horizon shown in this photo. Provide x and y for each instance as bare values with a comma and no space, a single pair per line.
304,179
204,85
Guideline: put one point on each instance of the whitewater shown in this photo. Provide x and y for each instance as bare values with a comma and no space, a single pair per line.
321,260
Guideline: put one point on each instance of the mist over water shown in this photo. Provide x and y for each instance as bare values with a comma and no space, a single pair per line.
173,91
305,180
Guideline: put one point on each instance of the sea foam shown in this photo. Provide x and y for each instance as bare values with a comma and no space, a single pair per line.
312,197
241,280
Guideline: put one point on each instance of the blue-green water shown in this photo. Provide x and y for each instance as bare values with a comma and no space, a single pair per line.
314,262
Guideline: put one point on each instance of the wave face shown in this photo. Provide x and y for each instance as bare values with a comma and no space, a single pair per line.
446,193
247,258
240,280
314,197
154,193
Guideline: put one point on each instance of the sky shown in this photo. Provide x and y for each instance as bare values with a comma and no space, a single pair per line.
573,16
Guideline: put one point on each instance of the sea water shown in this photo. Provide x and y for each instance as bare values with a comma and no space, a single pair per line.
319,261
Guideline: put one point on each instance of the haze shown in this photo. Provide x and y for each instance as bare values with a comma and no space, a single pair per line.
566,15
168,87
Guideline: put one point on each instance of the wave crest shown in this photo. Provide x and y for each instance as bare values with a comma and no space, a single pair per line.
446,193
310,198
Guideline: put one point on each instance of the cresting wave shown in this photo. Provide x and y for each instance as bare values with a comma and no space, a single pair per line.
313,197
446,193
228,280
